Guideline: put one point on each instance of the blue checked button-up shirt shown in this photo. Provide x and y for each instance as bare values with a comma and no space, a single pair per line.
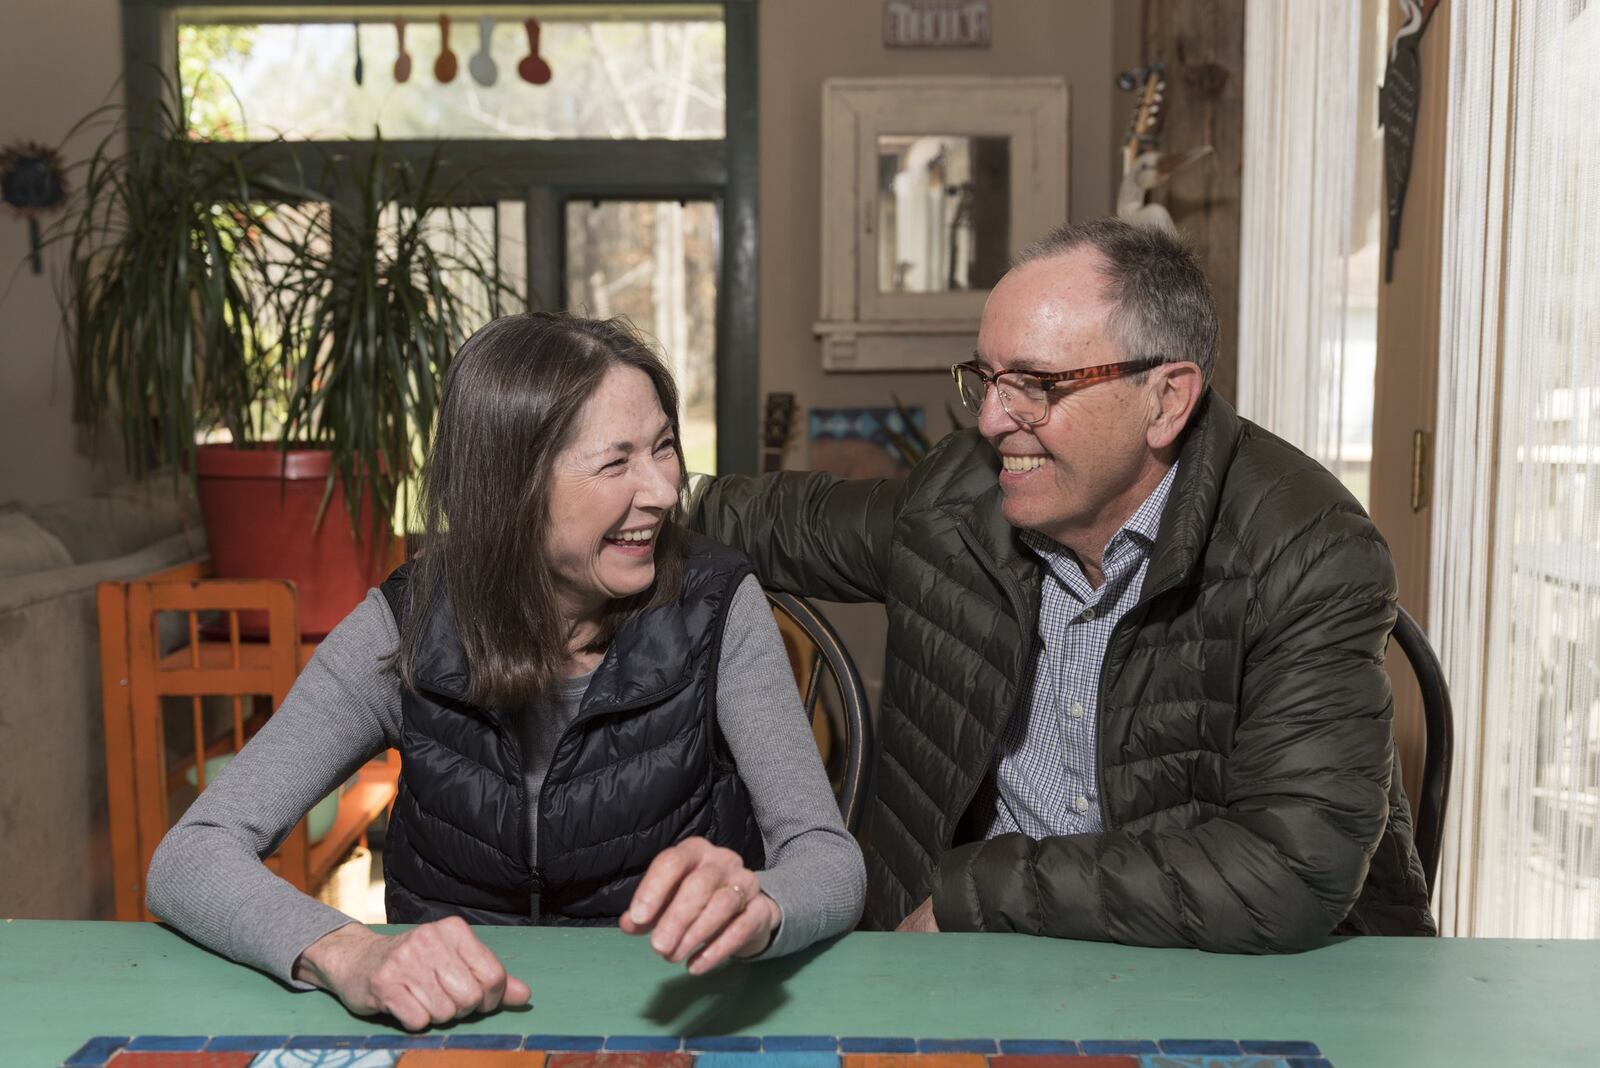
1045,771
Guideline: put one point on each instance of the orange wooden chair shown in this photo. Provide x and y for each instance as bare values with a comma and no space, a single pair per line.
140,680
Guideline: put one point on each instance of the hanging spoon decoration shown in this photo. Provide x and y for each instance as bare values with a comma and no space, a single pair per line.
532,68
360,67
444,68
402,62
482,65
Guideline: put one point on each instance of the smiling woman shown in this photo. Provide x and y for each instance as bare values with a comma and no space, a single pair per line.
595,715
583,416
612,491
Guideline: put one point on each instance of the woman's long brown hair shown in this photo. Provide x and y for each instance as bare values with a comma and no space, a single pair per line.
510,405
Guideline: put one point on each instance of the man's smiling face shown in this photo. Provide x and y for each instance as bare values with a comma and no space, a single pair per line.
1080,467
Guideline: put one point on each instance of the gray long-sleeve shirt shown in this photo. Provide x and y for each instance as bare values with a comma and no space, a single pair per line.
207,879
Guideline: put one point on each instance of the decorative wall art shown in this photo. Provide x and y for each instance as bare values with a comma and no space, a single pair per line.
859,442
33,184
936,23
1399,100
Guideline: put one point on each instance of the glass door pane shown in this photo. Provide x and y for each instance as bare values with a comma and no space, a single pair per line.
655,262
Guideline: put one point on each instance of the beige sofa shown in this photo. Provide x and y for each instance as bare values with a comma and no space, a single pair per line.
55,860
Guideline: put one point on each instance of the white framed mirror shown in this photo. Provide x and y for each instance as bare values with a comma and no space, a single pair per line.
929,187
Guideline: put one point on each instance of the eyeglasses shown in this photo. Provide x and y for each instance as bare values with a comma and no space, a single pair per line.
1025,395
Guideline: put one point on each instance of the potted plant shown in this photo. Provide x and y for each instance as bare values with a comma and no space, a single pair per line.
164,245
286,348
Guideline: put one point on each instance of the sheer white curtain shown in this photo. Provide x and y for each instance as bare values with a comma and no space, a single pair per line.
1516,541
1309,232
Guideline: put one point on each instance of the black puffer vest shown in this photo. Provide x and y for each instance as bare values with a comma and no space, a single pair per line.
641,768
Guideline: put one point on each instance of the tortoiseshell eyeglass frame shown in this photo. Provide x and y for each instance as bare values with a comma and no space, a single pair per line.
1048,381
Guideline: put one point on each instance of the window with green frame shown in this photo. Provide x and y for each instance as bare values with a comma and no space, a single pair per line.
629,175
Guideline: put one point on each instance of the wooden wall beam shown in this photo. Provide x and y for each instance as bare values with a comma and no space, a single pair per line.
1202,44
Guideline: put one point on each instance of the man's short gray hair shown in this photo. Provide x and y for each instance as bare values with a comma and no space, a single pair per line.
1161,301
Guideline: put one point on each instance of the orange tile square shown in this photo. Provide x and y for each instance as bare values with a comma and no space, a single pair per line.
913,1060
621,1060
470,1058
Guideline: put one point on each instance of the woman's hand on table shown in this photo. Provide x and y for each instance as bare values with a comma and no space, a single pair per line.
431,974
698,902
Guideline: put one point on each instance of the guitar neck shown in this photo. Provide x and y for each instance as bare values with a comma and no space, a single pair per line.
777,424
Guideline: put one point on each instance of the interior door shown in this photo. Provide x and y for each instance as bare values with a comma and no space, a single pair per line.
1406,387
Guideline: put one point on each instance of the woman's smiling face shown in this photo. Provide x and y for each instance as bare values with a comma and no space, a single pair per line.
612,486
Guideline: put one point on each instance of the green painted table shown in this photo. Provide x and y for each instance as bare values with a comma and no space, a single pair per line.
1379,1002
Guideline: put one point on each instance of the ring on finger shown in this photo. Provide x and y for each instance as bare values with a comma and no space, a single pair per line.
736,888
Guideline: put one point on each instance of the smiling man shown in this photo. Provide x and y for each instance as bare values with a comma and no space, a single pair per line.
1134,685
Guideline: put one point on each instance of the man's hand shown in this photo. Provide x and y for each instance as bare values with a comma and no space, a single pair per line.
432,974
699,903
921,919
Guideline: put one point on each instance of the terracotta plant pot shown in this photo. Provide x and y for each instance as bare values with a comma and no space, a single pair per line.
260,506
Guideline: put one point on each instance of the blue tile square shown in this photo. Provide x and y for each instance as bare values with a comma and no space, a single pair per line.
1096,1047
799,1043
1280,1049
245,1043
1310,1062
500,1042
1038,1047
739,1059
564,1043
326,1042
877,1045
1212,1047
955,1045
803,1059
406,1042
167,1043
643,1043
95,1052
723,1044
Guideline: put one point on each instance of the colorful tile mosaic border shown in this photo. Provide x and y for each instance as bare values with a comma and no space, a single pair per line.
704,1051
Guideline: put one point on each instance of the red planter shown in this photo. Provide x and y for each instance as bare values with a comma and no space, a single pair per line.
260,507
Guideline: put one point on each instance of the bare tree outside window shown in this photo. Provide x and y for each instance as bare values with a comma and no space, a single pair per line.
655,262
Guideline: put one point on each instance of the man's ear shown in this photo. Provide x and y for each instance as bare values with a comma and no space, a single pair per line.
1177,390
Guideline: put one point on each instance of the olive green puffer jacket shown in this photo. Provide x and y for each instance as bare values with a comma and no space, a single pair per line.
1247,766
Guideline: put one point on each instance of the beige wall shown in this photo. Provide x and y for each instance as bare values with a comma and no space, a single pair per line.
58,62
804,42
